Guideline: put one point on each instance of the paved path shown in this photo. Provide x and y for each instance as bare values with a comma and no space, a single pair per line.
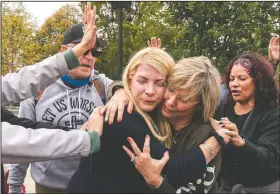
29,183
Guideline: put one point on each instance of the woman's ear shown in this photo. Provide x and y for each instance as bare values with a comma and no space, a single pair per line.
129,80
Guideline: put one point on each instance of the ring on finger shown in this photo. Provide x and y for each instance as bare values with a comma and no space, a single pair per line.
132,158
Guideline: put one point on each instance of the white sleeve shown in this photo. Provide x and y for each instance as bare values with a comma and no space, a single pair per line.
24,145
31,79
27,109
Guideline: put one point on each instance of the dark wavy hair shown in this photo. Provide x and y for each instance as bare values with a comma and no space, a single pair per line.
263,77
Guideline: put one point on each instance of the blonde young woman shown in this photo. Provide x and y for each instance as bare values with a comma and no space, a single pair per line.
108,171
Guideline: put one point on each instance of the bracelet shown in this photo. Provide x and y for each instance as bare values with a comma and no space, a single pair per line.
162,179
219,138
209,149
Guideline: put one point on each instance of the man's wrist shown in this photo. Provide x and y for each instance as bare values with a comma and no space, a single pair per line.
79,50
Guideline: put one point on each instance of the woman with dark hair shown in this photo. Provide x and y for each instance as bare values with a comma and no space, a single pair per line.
251,113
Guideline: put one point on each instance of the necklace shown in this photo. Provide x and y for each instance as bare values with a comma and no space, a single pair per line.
182,127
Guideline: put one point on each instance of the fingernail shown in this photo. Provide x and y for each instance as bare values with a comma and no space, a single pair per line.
106,119
129,139
147,136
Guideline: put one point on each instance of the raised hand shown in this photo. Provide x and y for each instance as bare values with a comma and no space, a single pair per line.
274,49
89,38
155,42
89,17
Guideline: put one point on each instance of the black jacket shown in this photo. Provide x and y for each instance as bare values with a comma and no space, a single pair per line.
111,171
257,163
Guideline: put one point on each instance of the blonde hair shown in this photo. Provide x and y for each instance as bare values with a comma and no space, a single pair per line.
163,62
201,79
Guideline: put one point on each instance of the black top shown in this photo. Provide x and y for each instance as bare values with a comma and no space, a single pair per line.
257,163
110,170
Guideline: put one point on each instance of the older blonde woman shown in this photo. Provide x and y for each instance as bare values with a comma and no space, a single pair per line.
189,101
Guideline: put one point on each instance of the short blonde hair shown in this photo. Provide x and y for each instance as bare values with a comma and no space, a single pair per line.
201,79
164,63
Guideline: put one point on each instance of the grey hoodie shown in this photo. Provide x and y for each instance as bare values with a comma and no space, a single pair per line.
59,105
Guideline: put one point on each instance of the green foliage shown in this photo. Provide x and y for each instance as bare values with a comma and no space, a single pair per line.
225,29
218,30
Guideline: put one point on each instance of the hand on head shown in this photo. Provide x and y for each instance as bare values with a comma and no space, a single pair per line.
155,42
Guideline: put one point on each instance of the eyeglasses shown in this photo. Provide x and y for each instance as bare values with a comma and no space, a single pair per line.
179,98
94,52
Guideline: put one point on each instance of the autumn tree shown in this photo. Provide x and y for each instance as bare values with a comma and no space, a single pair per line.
18,29
50,34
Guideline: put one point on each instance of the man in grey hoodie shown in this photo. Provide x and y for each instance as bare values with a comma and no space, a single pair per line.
68,102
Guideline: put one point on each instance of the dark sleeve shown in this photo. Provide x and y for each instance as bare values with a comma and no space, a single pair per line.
265,152
207,182
165,187
188,166
9,117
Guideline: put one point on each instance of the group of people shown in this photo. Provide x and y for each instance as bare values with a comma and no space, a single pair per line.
167,127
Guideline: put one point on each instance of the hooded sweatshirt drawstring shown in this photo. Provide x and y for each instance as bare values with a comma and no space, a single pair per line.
80,98
79,102
69,107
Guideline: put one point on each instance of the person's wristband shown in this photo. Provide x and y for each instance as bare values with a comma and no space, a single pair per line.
219,138
161,181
